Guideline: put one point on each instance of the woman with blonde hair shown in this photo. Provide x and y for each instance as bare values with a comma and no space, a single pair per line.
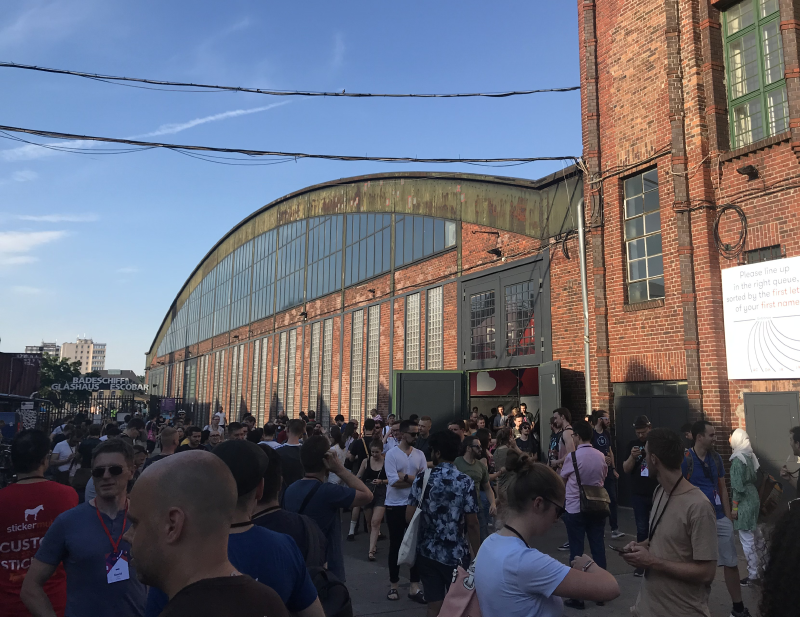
746,503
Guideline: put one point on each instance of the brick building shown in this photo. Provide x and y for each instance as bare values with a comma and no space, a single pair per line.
328,298
689,107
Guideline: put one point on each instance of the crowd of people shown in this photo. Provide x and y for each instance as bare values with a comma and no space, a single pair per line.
158,516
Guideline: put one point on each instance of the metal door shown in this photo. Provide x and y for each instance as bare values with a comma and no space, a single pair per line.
663,412
549,398
769,416
438,394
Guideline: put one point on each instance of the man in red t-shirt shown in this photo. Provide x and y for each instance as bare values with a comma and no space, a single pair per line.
27,509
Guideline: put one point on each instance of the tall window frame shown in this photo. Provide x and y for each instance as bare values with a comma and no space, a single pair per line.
644,260
313,375
434,337
356,365
327,371
412,352
758,102
373,355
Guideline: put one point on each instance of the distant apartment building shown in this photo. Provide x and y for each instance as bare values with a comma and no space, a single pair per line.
53,349
91,355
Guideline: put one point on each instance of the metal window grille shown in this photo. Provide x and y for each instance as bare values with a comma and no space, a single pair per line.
281,374
327,366
412,332
208,287
373,355
324,256
234,407
290,385
240,287
643,238
240,379
254,382
433,333
262,391
313,377
215,385
265,246
291,264
482,327
367,246
520,326
222,297
417,237
356,366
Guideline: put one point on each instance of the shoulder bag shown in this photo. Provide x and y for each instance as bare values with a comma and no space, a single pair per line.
594,499
408,549
462,599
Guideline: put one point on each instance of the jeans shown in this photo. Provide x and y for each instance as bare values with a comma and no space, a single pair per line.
483,516
641,512
580,524
611,488
396,522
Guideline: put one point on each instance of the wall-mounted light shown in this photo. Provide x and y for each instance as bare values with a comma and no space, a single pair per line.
304,314
372,291
748,170
496,252
235,337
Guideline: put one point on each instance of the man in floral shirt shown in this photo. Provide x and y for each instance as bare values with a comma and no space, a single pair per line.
449,518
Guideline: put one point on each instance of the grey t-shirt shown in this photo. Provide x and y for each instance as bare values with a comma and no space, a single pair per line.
77,539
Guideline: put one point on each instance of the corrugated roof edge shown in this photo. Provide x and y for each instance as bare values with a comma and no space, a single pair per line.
557,176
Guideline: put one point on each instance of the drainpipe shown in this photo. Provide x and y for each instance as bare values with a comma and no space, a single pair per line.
585,297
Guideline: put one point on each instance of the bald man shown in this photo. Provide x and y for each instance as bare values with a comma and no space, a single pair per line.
179,539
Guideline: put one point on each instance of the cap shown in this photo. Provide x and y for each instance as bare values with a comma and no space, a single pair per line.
641,422
247,463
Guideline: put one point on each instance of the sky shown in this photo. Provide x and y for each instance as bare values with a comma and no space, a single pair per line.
99,245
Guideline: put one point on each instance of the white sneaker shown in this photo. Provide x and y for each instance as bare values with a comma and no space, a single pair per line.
617,534
564,547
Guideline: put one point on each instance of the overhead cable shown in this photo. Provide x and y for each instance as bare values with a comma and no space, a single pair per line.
290,155
171,85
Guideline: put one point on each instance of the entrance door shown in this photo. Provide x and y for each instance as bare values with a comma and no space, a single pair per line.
549,399
439,395
663,412
769,416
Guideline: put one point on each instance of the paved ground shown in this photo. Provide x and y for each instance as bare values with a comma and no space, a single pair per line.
369,581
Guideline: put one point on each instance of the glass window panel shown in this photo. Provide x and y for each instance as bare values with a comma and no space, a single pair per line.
327,355
652,222
349,239
348,260
651,201
371,256
633,186
637,270
373,355
650,180
387,247
634,228
655,266
520,327
637,292
743,65
656,287
777,110
747,122
370,224
363,221
356,364
408,249
449,233
438,235
740,16
634,206
433,333
398,245
362,260
412,332
313,377
427,248
482,327
418,237
768,7
653,244
636,249
773,53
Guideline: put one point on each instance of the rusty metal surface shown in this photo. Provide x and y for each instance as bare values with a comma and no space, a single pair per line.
541,209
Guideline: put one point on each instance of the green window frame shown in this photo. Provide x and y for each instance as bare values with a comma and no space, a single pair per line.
643,250
758,106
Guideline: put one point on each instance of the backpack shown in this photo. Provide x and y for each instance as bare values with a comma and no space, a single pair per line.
690,464
333,593
770,493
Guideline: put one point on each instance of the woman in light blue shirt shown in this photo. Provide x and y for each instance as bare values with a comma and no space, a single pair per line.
514,580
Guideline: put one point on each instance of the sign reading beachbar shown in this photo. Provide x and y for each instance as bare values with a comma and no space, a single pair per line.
761,308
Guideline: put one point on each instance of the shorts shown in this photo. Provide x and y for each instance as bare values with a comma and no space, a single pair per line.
727,545
435,578
378,501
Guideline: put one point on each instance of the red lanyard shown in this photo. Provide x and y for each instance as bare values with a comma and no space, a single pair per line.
114,545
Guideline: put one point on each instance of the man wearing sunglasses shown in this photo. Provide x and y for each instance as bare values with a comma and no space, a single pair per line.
88,541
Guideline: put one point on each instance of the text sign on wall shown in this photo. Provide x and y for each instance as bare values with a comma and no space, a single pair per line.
761,308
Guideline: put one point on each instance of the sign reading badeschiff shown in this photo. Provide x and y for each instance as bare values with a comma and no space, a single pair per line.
761,308
99,383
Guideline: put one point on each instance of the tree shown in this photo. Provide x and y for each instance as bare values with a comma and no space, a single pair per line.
55,370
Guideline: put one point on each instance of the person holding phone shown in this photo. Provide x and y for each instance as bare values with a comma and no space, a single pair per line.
643,483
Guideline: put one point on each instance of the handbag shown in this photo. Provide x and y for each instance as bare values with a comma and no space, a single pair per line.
594,499
408,549
462,599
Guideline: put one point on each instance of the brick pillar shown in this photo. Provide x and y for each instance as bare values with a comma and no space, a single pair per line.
591,154
790,31
713,67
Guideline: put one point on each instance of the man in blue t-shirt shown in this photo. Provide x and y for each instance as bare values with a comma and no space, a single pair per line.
321,500
703,467
267,556
601,440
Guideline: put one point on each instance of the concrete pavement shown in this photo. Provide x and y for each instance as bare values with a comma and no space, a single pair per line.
368,582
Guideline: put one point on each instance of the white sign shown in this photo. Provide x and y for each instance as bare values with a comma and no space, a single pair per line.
761,308
100,383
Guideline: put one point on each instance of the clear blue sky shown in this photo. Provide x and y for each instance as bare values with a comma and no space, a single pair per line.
100,245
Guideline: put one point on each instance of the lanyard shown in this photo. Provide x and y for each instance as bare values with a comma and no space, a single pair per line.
114,545
654,526
516,533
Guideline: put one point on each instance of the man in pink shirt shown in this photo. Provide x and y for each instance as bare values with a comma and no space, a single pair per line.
593,469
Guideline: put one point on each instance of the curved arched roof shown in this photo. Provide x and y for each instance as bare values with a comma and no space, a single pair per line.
536,208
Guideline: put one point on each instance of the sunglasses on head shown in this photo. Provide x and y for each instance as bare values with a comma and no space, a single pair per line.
114,470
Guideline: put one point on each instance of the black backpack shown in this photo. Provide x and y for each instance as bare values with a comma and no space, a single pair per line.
333,593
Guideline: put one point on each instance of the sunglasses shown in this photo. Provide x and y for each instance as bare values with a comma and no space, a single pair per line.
560,510
114,470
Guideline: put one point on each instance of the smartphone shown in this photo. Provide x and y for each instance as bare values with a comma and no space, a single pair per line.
619,549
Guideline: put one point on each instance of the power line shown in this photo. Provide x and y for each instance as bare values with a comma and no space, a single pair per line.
251,153
211,88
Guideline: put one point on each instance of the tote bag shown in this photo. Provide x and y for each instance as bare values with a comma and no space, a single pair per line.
408,549
462,599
